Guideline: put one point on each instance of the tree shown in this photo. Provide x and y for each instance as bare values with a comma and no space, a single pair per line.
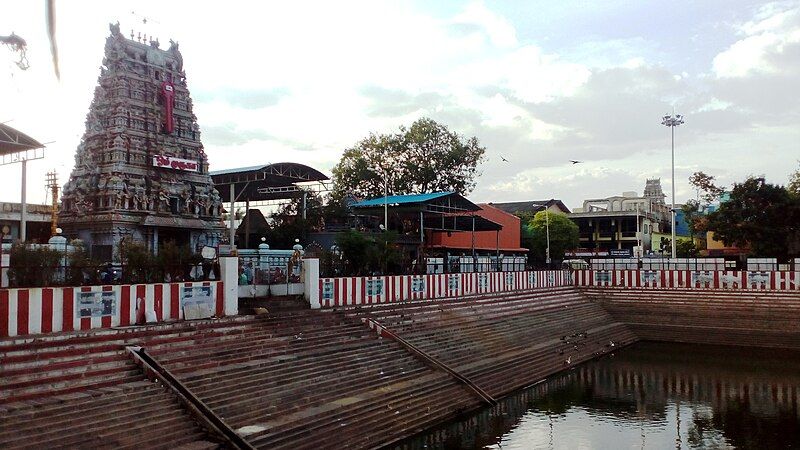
426,157
707,193
564,235
706,189
794,183
686,248
365,254
760,216
288,223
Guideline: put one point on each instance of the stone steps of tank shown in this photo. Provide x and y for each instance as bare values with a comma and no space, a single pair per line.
137,414
504,343
299,377
273,304
727,317
84,390
311,378
71,362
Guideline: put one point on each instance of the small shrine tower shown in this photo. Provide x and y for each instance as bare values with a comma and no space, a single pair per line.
140,171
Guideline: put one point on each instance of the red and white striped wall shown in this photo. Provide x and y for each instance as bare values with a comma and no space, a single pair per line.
698,279
47,310
349,291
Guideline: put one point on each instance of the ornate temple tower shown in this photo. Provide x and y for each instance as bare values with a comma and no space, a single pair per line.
653,191
140,171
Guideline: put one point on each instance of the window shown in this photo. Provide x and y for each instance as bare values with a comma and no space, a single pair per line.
174,204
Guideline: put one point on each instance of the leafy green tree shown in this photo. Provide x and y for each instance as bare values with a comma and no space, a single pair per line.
564,235
365,254
33,266
426,157
760,216
794,183
707,190
288,223
707,193
686,248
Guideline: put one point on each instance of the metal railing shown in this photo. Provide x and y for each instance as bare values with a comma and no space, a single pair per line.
92,274
277,270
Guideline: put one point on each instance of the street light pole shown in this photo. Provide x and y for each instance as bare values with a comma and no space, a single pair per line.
673,121
547,229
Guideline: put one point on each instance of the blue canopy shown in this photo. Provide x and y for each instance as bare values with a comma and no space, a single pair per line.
400,199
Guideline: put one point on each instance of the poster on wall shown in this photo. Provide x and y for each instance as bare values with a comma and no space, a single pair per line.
374,287
509,280
758,280
702,278
417,285
327,290
729,281
483,281
648,277
197,302
453,282
602,276
96,304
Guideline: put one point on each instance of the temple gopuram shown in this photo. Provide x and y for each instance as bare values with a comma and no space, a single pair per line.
140,170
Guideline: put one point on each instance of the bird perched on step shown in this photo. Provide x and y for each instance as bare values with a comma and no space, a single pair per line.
568,361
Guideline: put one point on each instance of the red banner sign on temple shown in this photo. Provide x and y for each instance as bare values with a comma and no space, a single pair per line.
175,163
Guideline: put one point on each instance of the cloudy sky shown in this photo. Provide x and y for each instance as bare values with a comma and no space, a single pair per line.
538,82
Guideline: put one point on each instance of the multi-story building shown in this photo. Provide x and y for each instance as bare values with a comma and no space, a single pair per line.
615,224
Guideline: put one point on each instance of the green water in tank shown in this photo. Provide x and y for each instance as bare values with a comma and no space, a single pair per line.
648,395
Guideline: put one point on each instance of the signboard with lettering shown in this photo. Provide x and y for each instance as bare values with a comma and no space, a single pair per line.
197,302
483,281
169,162
96,304
374,287
620,252
327,290
417,285
453,281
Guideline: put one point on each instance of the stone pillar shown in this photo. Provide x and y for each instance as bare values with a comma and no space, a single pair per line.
229,273
311,282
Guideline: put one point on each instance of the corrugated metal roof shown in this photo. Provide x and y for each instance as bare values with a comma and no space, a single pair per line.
401,199
238,169
13,140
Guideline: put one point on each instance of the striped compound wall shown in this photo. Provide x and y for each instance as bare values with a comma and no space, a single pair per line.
699,279
385,289
45,310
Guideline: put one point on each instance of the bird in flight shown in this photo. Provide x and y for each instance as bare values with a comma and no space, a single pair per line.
503,159
575,162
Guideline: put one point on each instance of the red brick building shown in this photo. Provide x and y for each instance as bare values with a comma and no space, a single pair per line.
506,241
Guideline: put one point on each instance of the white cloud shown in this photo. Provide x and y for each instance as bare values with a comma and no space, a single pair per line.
301,81
766,37
499,31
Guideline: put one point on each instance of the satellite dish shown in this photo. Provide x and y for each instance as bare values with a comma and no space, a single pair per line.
208,252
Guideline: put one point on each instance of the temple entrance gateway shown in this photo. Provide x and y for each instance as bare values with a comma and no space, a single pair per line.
140,173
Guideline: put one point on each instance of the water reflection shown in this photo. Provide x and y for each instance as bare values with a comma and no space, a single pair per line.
649,395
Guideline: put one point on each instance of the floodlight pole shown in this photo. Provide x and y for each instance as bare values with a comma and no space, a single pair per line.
23,212
672,121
